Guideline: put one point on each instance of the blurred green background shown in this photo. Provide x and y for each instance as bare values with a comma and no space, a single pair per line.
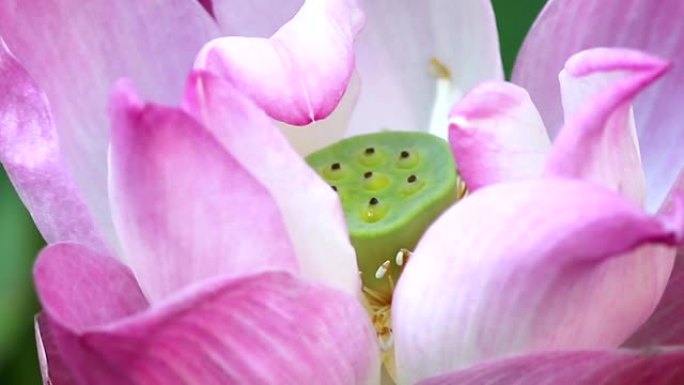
19,240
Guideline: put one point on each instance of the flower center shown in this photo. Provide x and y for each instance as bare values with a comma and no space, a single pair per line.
392,186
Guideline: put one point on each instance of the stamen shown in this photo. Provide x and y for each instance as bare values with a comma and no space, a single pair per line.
402,257
439,69
382,270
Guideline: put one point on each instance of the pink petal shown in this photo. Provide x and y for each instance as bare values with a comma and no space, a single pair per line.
81,289
395,49
75,52
300,74
268,328
53,369
184,208
598,141
310,208
496,134
665,326
29,151
527,266
605,367
566,27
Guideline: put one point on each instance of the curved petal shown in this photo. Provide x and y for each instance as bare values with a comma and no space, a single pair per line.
566,27
70,279
29,151
300,74
395,51
310,209
527,266
268,328
496,134
598,141
322,133
665,326
605,367
184,208
75,52
53,369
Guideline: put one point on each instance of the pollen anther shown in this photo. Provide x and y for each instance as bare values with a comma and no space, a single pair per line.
382,270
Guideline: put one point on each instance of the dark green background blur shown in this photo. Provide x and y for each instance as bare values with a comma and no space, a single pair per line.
19,241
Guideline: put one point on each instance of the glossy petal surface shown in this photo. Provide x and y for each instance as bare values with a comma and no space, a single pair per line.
184,208
605,367
567,27
311,210
299,74
76,50
30,152
268,328
598,141
394,53
536,265
496,134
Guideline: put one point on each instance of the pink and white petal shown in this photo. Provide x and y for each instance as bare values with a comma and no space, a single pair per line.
535,265
53,369
268,328
185,209
255,18
300,74
665,326
566,27
395,51
583,367
322,133
310,209
598,141
30,153
80,288
496,135
76,51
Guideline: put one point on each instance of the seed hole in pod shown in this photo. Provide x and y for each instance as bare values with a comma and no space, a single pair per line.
335,166
373,201
369,151
368,174
412,179
407,160
405,154
333,187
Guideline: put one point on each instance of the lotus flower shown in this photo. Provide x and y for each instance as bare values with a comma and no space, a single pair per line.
195,254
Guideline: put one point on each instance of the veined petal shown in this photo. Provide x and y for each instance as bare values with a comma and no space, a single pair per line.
80,288
528,266
184,208
76,51
268,328
567,27
395,51
583,367
300,74
496,134
665,326
310,208
29,151
598,141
